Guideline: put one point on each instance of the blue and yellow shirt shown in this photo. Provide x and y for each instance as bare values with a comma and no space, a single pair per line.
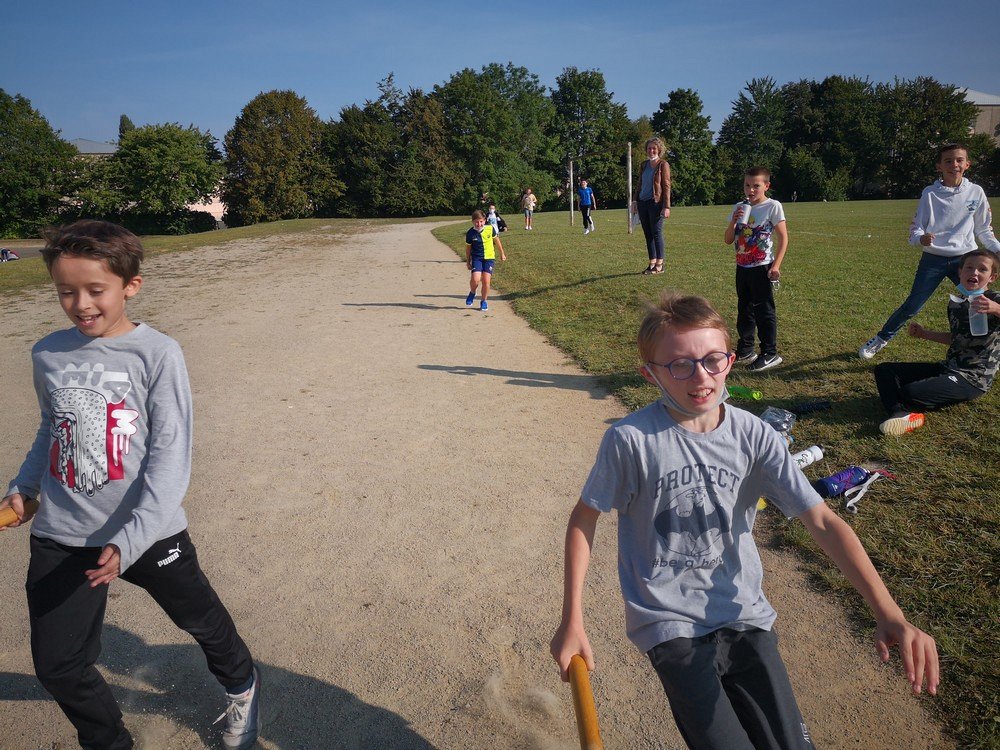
481,242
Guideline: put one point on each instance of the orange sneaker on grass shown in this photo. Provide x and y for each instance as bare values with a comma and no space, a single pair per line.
900,424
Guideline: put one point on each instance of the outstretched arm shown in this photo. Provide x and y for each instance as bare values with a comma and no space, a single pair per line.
571,638
917,649
917,331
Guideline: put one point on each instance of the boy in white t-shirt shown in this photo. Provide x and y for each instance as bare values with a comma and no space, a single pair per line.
761,242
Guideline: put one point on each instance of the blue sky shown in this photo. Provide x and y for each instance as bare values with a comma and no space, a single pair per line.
84,64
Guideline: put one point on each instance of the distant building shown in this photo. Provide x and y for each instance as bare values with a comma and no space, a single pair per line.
988,120
94,149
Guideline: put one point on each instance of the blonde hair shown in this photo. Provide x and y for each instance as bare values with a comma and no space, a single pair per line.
680,312
659,144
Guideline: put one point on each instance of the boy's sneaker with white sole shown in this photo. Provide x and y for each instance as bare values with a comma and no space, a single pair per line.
872,347
242,717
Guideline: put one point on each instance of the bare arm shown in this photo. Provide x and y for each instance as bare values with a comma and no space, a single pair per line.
917,649
730,235
571,638
917,331
781,233
499,244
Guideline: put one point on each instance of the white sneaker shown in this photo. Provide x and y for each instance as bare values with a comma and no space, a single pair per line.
872,347
586,231
242,717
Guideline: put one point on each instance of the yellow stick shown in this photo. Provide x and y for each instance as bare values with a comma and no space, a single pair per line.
583,704
8,516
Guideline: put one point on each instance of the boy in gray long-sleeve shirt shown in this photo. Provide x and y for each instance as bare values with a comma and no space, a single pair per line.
110,465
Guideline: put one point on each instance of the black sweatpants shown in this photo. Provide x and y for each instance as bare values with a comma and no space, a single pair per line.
920,386
755,312
67,616
588,221
729,690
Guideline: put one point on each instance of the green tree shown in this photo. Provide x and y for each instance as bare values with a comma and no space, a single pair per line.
753,133
393,156
679,120
125,125
152,177
499,131
803,172
592,129
36,168
915,118
274,163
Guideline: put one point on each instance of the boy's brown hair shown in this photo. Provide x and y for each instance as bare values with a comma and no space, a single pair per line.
956,146
477,214
759,172
683,313
980,253
99,240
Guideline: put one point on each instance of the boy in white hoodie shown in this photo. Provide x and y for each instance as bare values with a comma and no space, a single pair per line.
951,215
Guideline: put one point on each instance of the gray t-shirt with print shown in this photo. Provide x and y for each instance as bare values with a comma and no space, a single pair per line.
686,503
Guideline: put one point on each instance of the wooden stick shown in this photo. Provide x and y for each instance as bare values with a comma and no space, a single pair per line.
583,704
8,516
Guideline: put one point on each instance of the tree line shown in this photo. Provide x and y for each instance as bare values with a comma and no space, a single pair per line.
486,134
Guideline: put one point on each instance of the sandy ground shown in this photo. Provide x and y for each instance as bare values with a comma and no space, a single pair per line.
380,488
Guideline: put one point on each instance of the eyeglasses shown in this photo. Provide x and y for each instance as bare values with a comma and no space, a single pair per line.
682,368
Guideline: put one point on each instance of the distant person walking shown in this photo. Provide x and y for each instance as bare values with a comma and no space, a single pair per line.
588,203
528,203
653,205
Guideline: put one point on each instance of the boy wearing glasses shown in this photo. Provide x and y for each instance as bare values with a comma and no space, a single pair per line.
684,474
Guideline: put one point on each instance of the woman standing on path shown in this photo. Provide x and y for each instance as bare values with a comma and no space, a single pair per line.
653,205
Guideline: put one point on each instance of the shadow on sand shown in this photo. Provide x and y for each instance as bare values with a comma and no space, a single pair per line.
297,711
591,384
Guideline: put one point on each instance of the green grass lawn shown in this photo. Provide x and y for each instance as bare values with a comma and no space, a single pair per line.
933,533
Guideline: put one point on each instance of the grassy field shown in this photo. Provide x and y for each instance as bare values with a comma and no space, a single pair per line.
933,533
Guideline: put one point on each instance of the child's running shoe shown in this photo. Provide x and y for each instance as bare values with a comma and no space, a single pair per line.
872,347
900,424
765,362
748,357
242,717
483,306
470,299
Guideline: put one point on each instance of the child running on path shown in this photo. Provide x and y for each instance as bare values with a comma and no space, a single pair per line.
761,241
684,474
907,389
951,215
480,258
110,464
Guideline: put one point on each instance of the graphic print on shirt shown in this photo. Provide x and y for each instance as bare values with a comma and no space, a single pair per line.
91,426
692,524
753,243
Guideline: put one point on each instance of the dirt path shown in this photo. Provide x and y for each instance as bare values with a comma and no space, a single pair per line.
381,484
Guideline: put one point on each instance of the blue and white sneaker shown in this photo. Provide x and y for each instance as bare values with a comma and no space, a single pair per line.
483,306
470,299
242,717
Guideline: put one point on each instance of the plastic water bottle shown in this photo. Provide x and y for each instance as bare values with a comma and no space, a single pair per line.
810,455
836,484
749,394
978,325
745,211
